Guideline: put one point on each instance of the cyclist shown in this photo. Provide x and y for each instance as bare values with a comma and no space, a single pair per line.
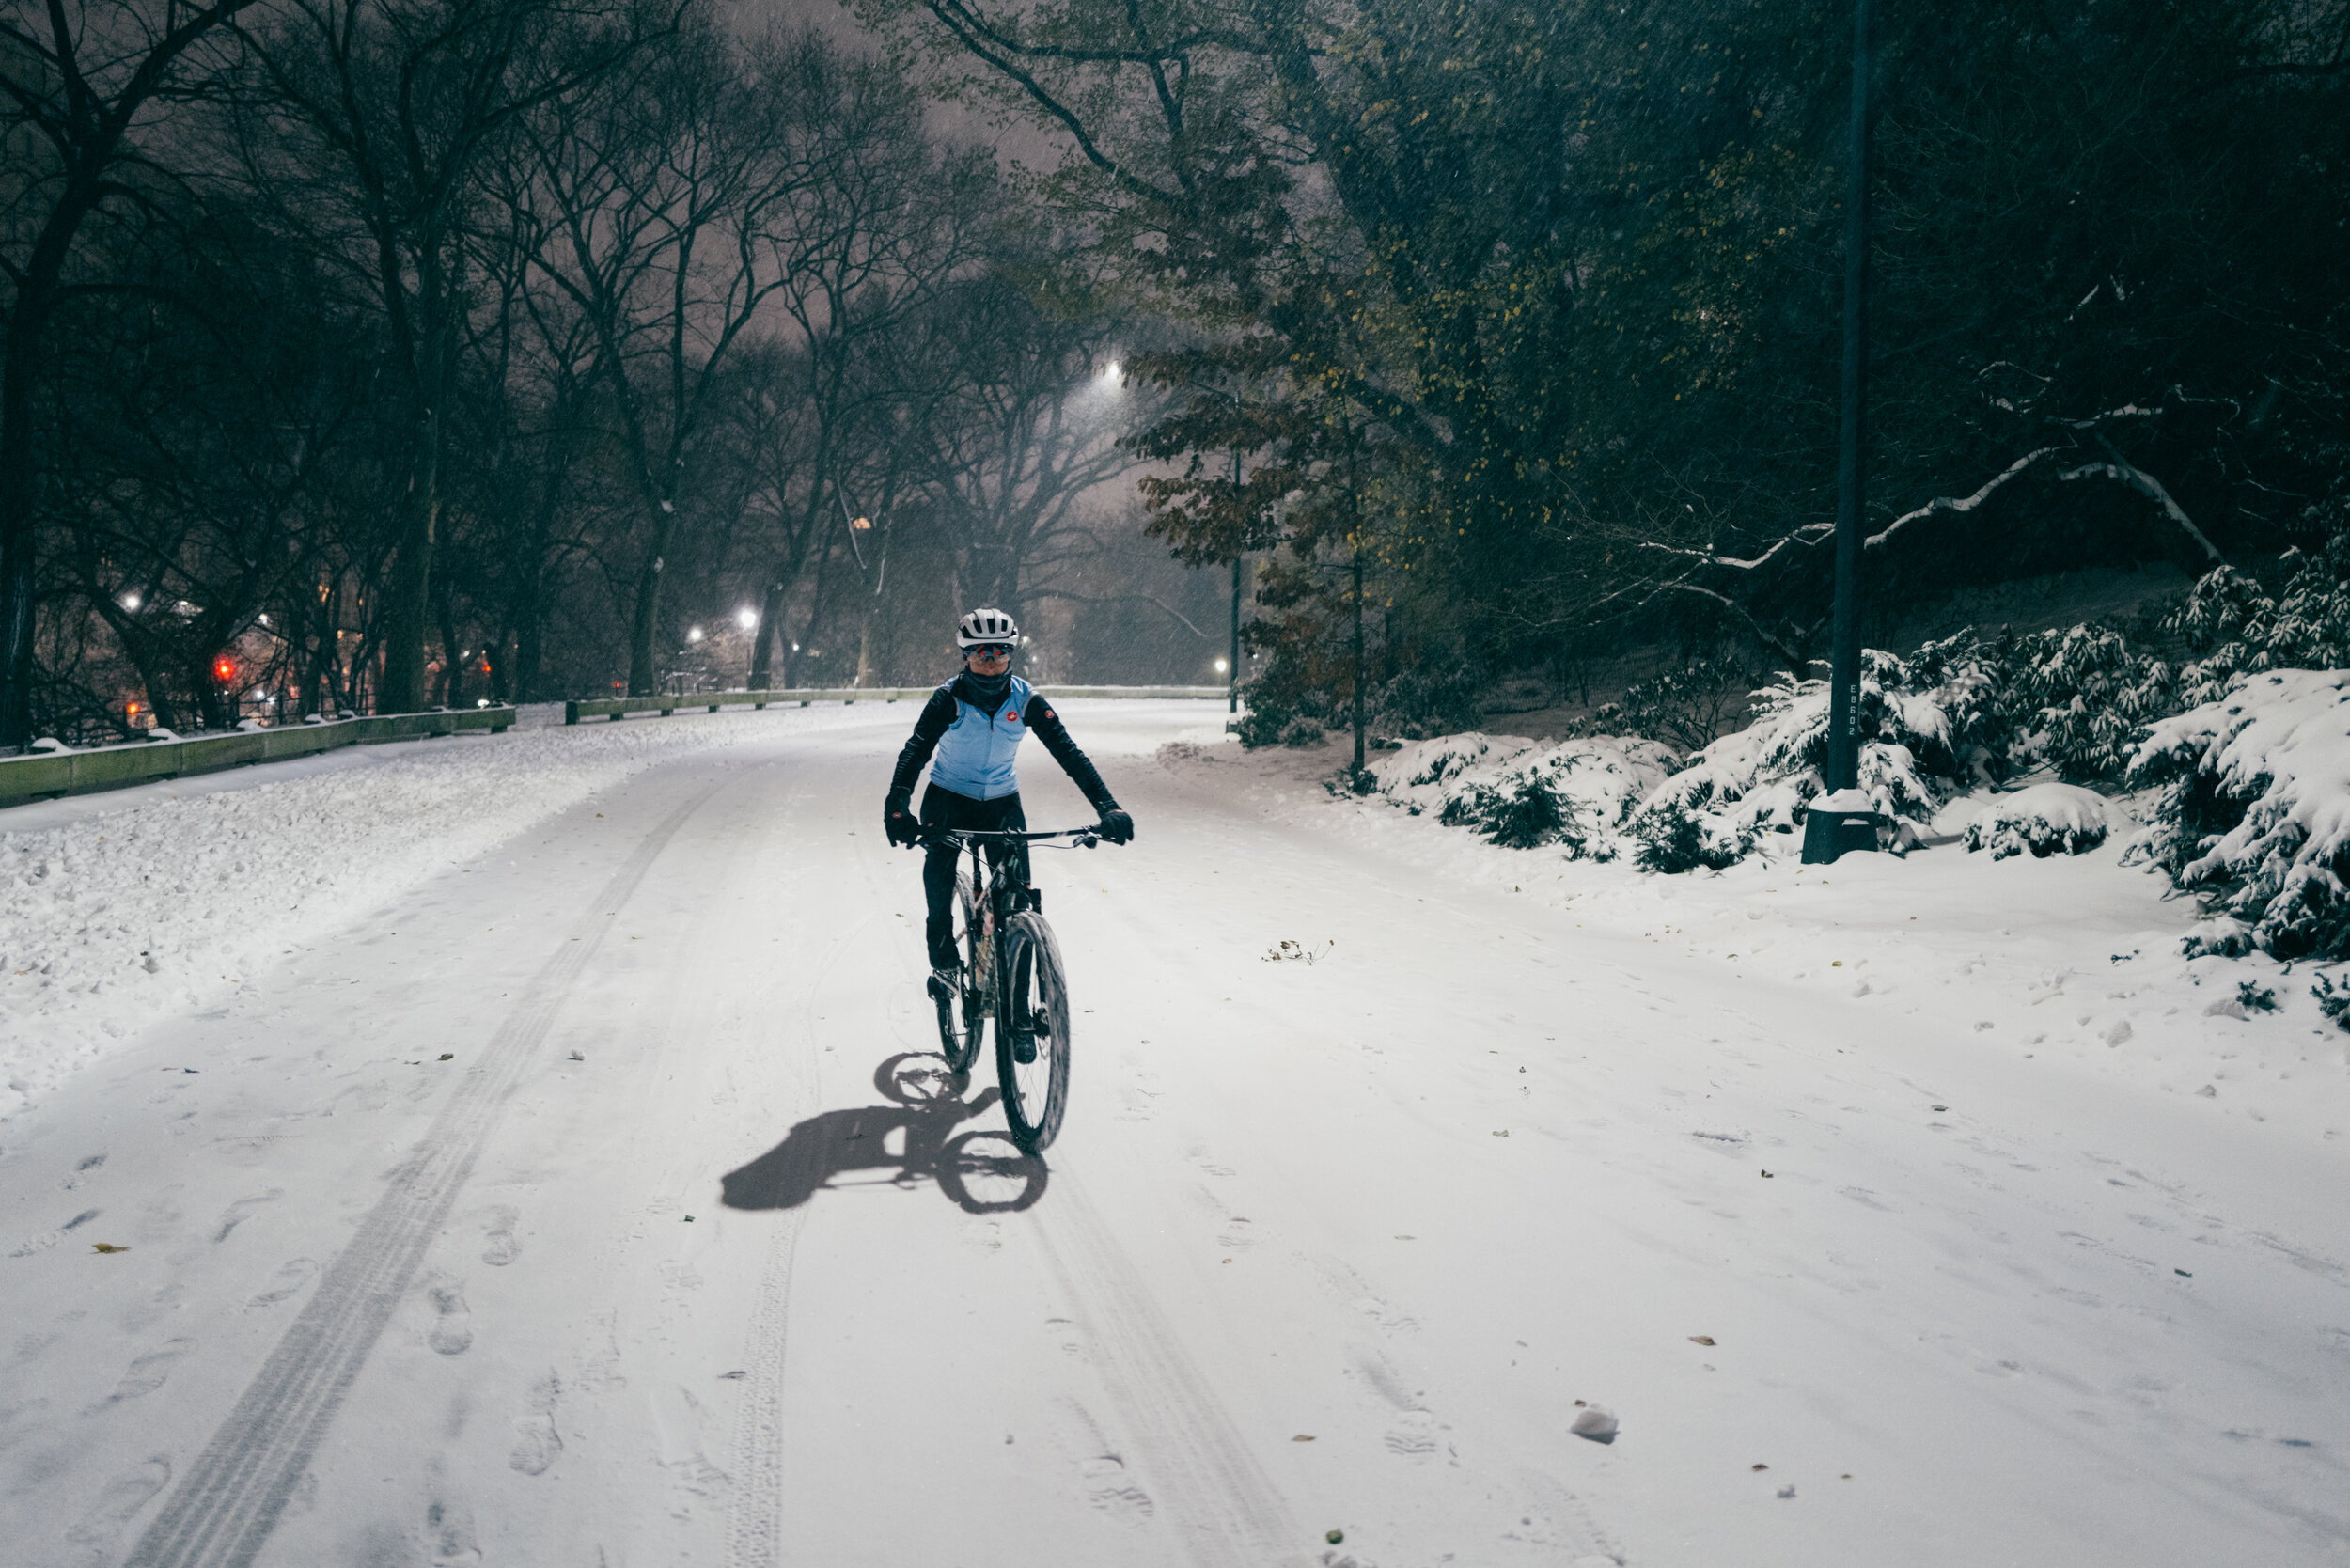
974,724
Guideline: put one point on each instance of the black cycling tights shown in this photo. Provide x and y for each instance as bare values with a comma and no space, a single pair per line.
946,808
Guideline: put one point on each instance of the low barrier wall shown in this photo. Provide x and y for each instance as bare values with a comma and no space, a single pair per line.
113,767
621,706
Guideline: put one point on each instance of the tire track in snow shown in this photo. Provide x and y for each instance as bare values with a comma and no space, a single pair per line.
1219,1499
755,1529
755,1525
230,1500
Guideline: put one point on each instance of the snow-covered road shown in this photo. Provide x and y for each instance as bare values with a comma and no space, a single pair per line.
598,1202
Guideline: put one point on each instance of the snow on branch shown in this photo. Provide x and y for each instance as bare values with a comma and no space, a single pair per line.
1959,503
1816,530
2147,485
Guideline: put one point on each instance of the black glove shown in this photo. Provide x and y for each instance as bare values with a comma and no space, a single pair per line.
897,820
1117,827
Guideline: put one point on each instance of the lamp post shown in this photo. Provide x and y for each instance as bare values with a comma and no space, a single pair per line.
1827,834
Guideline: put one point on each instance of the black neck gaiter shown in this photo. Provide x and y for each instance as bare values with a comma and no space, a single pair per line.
985,691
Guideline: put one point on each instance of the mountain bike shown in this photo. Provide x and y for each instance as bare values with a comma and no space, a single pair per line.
1013,985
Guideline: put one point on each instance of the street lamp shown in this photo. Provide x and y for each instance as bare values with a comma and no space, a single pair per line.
1829,834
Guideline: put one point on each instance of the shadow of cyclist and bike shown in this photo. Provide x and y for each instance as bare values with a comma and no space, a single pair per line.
913,1138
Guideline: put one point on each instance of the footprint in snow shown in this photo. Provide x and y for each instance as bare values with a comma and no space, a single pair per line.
500,1246
239,1212
95,1532
536,1445
452,1326
147,1372
291,1277
1110,1491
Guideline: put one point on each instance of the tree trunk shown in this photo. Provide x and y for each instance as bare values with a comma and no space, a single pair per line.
763,641
408,617
1359,671
16,523
452,662
644,678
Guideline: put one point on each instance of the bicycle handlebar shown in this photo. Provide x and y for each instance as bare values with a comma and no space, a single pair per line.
1085,835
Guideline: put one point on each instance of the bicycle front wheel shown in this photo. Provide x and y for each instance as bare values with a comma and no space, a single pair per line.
962,1016
1032,1031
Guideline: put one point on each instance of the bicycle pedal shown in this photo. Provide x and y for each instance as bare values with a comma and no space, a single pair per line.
1023,1049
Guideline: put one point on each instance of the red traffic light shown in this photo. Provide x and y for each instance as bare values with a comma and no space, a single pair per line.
223,669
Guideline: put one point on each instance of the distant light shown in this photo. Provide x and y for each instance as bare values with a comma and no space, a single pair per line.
1112,371
264,621
1221,667
481,702
860,523
130,600
695,634
796,648
747,617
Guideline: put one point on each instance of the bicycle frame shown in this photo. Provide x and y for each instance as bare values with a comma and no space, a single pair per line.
998,901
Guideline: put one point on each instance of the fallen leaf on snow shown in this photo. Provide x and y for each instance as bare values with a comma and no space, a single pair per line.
107,1246
1700,1339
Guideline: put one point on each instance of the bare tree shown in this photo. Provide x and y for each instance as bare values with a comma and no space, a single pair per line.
79,82
378,117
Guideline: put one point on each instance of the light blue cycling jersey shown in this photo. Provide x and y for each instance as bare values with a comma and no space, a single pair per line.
975,755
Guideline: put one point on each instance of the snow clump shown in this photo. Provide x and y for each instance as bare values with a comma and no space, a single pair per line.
2041,820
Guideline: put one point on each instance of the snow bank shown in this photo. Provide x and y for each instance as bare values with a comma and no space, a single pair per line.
2041,820
2257,810
111,921
1576,793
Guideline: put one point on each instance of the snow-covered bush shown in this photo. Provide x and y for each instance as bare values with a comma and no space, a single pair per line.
2041,820
1924,723
2077,700
2255,813
1418,704
2239,629
1686,708
1576,793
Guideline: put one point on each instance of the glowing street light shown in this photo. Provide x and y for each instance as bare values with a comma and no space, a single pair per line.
1222,665
694,634
130,600
747,617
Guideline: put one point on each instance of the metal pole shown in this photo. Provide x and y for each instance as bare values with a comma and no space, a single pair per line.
1843,758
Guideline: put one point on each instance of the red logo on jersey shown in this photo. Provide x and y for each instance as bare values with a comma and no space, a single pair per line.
1011,715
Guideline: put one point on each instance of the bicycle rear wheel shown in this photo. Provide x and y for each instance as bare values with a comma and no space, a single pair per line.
1032,1019
963,1016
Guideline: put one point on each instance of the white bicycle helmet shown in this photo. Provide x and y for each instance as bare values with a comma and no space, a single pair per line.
986,626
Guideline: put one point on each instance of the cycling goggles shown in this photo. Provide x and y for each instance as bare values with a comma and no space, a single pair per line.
990,650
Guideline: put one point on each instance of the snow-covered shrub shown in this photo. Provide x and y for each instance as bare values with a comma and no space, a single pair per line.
1686,708
2077,700
1275,715
1418,704
1676,837
1303,731
2041,820
2332,1000
1923,722
1576,793
2255,815
2237,628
